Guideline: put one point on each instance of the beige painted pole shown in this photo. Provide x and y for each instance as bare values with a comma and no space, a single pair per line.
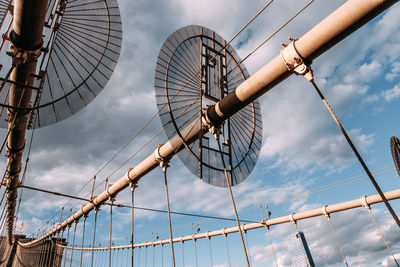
284,219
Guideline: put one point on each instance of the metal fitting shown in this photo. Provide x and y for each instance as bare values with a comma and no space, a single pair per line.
164,164
132,184
294,61
364,203
110,197
21,56
291,218
208,126
325,212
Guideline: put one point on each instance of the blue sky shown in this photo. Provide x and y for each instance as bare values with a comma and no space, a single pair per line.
302,147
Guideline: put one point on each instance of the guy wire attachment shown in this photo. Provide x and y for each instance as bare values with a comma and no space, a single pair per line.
164,163
294,61
132,184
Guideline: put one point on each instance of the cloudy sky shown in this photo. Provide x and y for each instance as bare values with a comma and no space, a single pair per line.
302,160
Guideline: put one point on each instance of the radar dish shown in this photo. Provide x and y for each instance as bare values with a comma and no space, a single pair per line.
395,149
196,69
82,43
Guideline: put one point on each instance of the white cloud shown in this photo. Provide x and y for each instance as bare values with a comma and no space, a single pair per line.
394,71
391,94
364,73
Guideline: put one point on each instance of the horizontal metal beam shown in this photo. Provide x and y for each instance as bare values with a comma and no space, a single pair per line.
345,20
265,223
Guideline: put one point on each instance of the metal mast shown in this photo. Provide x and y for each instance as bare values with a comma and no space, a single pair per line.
26,43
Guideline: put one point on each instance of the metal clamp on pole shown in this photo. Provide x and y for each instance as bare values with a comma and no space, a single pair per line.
96,207
364,202
325,212
111,198
294,61
209,126
85,215
164,164
132,184
292,220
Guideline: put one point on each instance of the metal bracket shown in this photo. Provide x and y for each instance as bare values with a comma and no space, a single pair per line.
75,219
364,203
294,61
96,207
85,215
223,231
207,235
132,184
292,220
110,197
164,164
208,126
21,56
264,222
325,212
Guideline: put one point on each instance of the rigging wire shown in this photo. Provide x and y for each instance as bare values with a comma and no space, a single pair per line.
228,182
169,213
368,208
269,232
328,217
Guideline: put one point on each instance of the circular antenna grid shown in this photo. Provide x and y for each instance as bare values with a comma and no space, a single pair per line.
395,149
196,69
82,46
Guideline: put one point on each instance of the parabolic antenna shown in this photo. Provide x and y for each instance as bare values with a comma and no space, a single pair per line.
395,149
82,43
196,69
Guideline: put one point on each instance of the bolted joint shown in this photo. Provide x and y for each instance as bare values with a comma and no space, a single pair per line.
325,212
132,184
96,207
292,220
164,163
294,61
13,153
207,125
20,55
85,215
264,222
111,198
364,203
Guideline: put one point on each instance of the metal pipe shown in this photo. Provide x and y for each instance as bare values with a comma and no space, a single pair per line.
356,203
28,22
259,83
